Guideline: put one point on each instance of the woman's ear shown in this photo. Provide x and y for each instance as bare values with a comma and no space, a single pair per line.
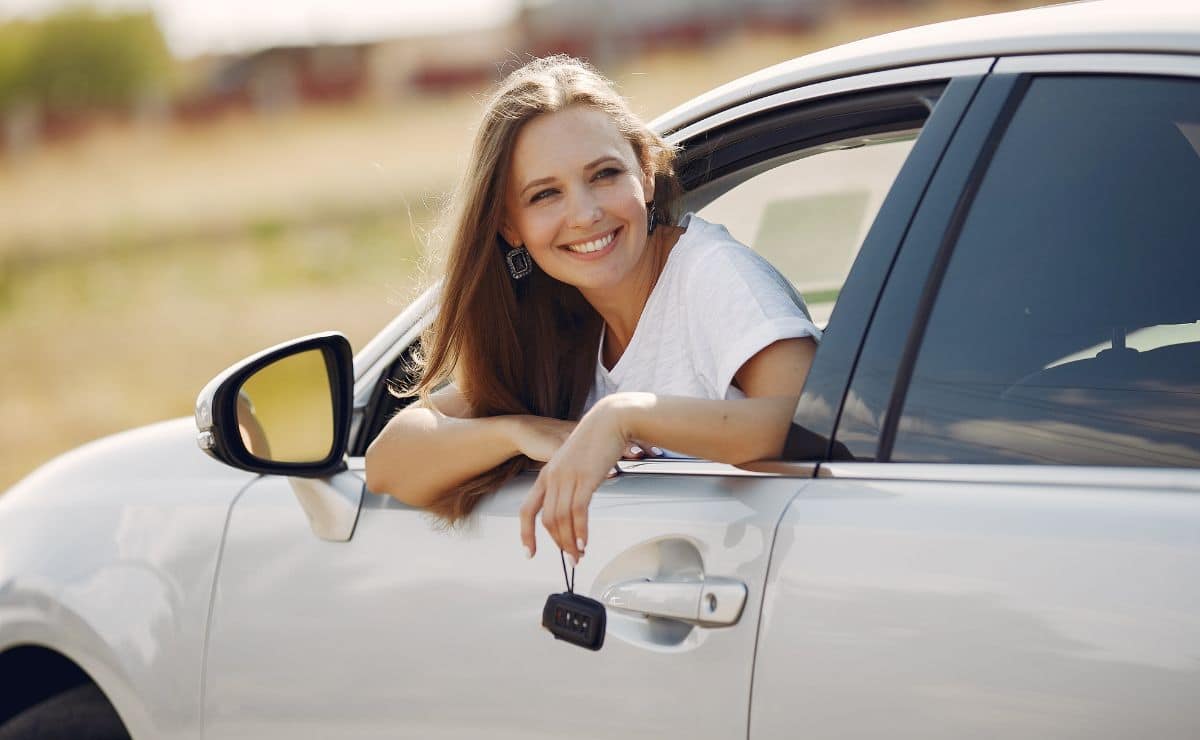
509,234
648,185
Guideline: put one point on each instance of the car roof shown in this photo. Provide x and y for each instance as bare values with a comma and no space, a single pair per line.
1091,26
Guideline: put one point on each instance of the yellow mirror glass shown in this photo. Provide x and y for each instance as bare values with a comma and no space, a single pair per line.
285,410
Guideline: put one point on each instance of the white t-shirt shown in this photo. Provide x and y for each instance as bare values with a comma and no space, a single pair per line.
715,305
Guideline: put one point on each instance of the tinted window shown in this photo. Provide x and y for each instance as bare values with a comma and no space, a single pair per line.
1065,329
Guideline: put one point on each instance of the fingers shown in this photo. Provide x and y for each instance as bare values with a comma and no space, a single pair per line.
529,510
633,452
579,518
639,450
564,515
563,495
564,523
551,494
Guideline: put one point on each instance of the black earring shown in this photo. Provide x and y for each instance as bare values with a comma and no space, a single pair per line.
519,263
651,218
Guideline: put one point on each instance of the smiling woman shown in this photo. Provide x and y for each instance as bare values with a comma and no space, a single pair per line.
581,321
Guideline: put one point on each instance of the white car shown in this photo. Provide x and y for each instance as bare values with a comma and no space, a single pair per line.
986,522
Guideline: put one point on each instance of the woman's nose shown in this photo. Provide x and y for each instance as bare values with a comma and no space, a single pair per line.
585,208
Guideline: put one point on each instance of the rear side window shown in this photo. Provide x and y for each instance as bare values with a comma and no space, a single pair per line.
1066,326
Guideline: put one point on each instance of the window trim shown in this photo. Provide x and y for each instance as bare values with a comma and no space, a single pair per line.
900,77
683,466
1083,476
750,141
1158,65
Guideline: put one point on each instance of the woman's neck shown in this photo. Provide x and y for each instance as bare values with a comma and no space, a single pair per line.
622,306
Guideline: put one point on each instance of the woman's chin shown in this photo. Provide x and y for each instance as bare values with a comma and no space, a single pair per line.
598,282
592,275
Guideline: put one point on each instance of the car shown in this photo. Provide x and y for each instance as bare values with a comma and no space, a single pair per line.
985,522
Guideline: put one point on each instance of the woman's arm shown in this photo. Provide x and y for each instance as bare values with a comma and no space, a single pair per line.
733,431
739,431
422,453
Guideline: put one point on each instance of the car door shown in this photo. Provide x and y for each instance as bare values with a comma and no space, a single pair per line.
406,630
1012,545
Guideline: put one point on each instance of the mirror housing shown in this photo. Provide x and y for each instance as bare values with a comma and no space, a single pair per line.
222,436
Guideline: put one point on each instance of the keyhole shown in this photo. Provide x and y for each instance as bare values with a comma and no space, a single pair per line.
712,603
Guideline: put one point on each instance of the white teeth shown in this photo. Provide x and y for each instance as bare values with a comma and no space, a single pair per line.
593,246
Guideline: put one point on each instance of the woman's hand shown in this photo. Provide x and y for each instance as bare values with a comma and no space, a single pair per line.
564,487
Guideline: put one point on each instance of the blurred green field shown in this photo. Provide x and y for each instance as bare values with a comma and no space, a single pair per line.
137,263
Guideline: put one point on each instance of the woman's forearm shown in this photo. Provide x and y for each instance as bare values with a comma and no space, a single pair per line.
421,454
734,431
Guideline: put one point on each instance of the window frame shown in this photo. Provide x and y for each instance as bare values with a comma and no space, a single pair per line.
923,259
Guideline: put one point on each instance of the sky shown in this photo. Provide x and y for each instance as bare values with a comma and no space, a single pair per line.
194,27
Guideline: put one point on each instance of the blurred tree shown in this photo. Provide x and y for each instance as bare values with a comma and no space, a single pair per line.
80,59
15,40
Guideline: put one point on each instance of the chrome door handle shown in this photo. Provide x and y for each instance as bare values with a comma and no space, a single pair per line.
713,602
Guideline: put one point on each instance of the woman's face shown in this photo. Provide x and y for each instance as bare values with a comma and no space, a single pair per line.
576,198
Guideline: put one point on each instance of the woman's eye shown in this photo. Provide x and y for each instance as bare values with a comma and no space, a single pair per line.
541,194
607,172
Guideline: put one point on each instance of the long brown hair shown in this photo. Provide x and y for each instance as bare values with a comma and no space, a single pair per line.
528,346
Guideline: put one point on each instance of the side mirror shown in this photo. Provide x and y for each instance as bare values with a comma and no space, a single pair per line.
284,411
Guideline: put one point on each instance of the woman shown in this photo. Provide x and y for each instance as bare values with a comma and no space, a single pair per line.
577,323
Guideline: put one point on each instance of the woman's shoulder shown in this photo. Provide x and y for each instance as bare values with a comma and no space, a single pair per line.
707,251
702,238
722,275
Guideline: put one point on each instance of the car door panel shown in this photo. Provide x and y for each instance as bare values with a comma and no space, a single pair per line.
948,609
409,631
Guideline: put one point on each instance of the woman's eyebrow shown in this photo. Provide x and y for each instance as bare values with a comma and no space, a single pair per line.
590,165
539,181
597,162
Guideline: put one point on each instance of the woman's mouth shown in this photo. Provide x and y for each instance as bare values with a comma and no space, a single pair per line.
594,247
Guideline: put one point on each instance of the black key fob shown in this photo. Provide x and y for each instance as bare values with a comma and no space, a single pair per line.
576,619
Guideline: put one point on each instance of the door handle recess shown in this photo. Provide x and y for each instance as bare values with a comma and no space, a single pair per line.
713,602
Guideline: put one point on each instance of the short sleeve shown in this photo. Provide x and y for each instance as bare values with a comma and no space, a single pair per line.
738,304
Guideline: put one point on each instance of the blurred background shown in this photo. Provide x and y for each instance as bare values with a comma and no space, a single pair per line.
185,182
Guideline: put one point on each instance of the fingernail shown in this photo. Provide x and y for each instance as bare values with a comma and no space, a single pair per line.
579,546
528,552
571,560
635,450
656,450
